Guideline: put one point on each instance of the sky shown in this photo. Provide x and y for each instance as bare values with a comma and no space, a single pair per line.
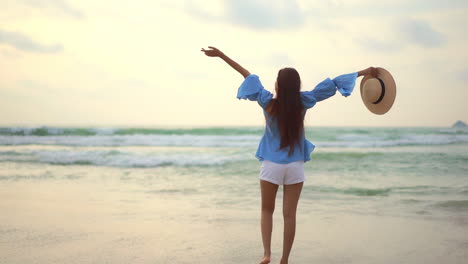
138,63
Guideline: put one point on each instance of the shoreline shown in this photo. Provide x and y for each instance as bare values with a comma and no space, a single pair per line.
69,223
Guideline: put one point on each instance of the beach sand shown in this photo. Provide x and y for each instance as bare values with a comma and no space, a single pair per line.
52,221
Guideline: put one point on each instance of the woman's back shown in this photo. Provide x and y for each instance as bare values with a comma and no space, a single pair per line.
270,145
287,109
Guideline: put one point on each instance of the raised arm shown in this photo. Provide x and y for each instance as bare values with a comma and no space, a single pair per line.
214,52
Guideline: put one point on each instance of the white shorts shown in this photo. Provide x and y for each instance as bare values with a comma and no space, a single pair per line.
280,174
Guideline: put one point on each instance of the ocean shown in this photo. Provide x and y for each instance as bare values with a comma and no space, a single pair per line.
58,185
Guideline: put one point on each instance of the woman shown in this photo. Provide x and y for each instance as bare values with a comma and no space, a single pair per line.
283,148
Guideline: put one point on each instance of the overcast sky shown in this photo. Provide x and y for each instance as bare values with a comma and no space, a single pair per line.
138,63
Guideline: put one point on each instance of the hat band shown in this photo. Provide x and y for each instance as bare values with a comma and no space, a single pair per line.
382,94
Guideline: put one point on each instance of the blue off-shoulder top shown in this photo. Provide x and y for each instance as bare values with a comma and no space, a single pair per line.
268,148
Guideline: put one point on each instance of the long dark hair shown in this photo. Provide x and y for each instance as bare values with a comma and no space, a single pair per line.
287,108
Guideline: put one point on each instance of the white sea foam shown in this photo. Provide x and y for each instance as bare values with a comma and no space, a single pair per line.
359,138
106,138
103,131
135,140
366,141
113,158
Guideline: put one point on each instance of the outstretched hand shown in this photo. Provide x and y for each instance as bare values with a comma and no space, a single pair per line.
212,52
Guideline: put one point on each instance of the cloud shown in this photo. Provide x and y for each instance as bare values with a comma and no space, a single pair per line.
463,75
400,34
378,45
265,14
255,14
419,32
60,5
279,60
25,43
379,9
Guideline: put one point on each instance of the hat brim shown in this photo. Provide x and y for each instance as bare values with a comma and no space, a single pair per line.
390,93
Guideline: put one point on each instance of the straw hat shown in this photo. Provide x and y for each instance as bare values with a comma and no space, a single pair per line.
378,94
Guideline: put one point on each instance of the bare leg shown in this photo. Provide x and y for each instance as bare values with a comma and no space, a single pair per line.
268,190
290,199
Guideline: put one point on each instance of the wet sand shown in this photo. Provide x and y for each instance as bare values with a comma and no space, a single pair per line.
65,222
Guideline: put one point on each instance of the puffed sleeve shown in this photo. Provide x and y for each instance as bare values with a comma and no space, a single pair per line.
345,83
327,88
252,89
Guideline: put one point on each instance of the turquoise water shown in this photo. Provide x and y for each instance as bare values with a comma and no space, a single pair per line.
415,172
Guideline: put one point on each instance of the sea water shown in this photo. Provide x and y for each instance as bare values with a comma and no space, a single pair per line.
212,173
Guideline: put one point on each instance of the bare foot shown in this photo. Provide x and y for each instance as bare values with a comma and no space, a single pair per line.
265,260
